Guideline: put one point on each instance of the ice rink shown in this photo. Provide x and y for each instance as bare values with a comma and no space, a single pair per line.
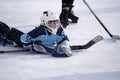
100,62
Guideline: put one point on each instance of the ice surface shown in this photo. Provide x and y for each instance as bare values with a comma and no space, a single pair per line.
100,62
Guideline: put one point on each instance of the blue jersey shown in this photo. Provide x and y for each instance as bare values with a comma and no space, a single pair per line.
42,35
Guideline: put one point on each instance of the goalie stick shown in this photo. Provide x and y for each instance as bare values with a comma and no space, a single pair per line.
74,47
111,35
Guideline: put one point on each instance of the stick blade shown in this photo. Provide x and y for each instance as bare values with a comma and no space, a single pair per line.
97,38
116,37
87,45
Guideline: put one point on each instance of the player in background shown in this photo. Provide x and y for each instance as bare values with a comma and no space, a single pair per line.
67,13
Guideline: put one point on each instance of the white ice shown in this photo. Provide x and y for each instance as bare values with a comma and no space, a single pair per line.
100,62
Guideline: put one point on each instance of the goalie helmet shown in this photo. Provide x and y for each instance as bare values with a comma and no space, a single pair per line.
51,21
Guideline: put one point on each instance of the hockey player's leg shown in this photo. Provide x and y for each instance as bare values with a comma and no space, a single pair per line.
4,31
67,13
10,34
72,16
64,17
4,28
3,41
14,36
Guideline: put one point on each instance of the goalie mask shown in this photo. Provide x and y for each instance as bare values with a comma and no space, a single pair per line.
51,21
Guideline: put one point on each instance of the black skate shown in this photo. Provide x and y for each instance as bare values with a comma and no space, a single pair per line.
73,18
